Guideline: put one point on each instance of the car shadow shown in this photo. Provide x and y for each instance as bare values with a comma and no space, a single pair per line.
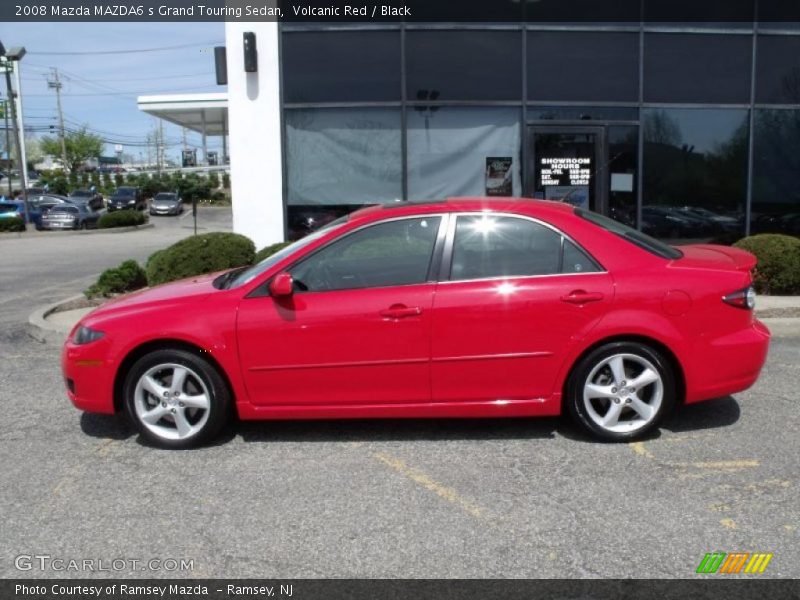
713,414
110,427
385,430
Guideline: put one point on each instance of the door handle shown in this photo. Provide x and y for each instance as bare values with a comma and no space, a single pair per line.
582,297
400,311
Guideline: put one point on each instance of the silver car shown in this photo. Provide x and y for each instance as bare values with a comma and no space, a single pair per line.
166,203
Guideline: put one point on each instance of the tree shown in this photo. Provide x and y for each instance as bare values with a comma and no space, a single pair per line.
81,145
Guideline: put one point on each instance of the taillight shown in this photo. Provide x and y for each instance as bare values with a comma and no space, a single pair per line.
745,298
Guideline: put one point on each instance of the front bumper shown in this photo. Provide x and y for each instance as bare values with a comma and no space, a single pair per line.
730,363
89,375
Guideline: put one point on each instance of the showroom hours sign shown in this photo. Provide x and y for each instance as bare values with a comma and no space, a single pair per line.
565,171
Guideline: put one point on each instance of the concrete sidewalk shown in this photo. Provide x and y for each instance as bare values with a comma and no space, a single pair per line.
51,319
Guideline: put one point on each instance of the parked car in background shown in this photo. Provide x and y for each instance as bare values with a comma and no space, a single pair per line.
44,202
469,307
93,200
166,203
38,205
126,197
70,216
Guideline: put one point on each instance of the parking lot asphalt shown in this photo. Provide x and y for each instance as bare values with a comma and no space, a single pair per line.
443,498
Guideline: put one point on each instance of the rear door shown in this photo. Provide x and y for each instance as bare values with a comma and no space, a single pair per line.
516,295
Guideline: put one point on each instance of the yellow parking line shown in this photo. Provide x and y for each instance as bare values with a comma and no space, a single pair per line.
417,476
640,449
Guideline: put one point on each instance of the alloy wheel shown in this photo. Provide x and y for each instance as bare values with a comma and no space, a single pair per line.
172,401
623,393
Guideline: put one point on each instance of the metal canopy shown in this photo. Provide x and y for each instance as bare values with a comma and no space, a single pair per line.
203,113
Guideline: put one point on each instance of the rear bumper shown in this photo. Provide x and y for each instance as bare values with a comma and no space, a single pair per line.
728,364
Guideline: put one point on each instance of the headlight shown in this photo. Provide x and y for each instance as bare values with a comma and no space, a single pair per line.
131,201
84,335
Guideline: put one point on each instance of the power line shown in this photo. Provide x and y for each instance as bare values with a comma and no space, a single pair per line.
129,51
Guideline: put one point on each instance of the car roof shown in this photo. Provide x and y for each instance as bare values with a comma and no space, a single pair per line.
467,204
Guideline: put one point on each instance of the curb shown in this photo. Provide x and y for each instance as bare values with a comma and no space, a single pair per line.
38,318
35,233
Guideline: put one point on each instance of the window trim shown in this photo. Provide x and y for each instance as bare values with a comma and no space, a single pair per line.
438,245
447,258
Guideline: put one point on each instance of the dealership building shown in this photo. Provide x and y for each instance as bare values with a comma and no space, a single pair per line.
689,131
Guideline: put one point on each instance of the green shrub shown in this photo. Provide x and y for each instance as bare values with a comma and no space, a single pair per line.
778,268
213,180
121,218
200,254
126,277
12,224
226,181
270,250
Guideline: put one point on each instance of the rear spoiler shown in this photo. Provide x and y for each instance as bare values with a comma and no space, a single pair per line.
742,259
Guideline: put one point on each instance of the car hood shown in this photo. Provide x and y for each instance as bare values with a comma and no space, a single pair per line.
193,289
711,256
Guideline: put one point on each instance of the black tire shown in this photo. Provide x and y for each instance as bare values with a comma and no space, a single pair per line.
579,376
220,401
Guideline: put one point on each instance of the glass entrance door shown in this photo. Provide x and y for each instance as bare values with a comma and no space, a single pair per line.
564,164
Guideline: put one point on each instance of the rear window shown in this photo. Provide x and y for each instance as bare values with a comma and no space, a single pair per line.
64,209
642,240
8,208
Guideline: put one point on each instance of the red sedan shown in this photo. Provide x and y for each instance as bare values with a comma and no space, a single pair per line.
459,308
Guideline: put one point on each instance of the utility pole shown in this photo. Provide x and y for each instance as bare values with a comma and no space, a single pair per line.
20,154
8,148
55,84
160,146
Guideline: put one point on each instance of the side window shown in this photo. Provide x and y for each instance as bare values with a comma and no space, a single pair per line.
489,246
387,254
576,260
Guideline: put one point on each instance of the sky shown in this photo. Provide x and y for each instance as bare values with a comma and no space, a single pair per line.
100,86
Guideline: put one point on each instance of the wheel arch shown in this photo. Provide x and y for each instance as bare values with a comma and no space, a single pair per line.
163,344
669,354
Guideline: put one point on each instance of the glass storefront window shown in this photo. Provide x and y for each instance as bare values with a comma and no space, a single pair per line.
448,148
341,66
695,173
343,155
623,142
697,67
778,69
463,65
583,66
776,172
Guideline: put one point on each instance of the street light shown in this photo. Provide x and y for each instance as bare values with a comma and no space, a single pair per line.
10,56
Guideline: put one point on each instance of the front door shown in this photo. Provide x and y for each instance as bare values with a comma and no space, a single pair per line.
565,164
356,331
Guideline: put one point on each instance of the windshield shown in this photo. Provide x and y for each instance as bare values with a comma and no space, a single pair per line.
252,272
164,196
80,194
8,208
634,236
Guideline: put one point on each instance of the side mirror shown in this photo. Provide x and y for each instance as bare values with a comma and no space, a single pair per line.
281,285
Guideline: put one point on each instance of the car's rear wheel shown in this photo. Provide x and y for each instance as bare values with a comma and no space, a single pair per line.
176,399
621,390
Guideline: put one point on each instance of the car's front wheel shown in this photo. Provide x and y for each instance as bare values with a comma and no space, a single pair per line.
621,390
176,399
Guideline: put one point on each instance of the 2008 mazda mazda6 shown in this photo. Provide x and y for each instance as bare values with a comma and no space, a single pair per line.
459,308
